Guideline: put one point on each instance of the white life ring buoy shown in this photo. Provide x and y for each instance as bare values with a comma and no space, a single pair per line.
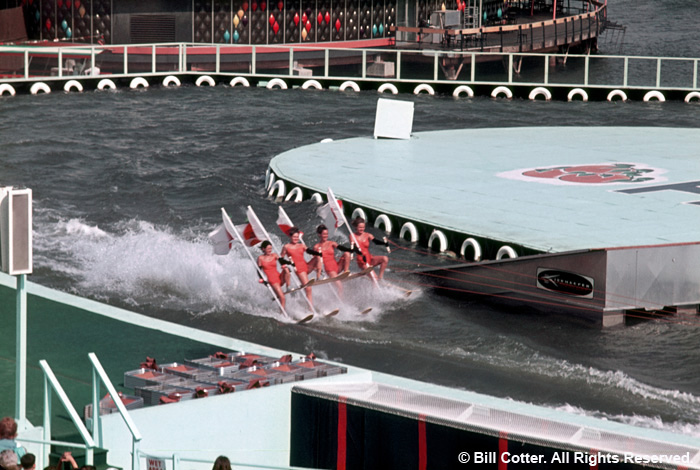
39,87
7,88
171,80
409,227
475,246
540,91
276,82
424,87
693,95
70,84
617,94
280,187
240,81
317,198
296,194
437,234
106,83
312,84
505,250
138,82
463,89
501,89
577,92
654,95
383,219
390,87
205,79
358,212
270,181
349,84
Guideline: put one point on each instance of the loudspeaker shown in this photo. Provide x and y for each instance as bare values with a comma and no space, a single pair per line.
16,230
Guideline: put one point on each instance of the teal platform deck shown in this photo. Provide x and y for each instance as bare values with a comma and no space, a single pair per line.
472,182
538,191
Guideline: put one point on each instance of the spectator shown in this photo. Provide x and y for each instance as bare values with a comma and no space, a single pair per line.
8,459
28,462
8,434
222,463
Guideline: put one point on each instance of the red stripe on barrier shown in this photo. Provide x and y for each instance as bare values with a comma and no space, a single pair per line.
342,432
591,465
502,449
422,444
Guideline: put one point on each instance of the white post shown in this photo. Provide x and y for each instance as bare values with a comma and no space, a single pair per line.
21,356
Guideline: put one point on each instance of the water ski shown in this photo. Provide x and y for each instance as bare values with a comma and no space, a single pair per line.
311,283
306,319
332,313
406,292
366,311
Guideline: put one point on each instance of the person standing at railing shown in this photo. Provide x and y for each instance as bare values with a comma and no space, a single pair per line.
8,434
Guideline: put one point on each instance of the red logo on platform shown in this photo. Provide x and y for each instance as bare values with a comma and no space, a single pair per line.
603,173
596,174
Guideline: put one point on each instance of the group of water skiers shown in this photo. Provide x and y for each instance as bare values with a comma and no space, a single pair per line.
324,258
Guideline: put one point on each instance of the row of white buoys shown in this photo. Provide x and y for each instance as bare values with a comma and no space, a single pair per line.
470,249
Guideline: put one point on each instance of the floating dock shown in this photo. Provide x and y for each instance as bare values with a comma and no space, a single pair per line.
592,221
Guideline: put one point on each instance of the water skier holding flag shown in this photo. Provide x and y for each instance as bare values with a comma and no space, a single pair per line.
267,262
327,248
363,239
295,249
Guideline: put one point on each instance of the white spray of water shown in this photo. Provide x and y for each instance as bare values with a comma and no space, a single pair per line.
145,264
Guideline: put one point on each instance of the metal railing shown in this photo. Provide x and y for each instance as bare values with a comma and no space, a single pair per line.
176,460
51,383
366,65
98,374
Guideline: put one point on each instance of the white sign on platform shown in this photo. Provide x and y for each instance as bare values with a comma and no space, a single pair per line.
155,464
394,119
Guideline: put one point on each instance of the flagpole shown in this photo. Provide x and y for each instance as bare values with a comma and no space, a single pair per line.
229,226
283,213
353,239
251,213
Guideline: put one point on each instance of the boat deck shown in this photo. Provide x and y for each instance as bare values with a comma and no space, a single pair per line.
545,189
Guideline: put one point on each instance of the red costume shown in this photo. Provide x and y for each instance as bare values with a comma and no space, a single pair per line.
269,267
296,252
329,262
363,244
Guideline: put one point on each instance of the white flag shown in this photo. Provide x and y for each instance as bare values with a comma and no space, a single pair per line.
222,240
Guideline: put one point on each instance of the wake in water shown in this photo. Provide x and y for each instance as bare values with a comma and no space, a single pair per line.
143,264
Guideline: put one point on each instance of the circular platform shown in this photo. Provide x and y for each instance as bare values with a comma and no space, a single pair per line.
547,189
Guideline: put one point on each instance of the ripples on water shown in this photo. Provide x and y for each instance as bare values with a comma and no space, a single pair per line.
128,184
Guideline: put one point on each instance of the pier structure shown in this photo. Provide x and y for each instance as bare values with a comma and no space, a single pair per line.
595,223
342,66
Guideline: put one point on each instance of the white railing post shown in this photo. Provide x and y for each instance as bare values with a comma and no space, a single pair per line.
153,58
46,448
60,62
218,58
96,424
26,64
364,63
325,64
658,72
252,59
126,60
291,61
